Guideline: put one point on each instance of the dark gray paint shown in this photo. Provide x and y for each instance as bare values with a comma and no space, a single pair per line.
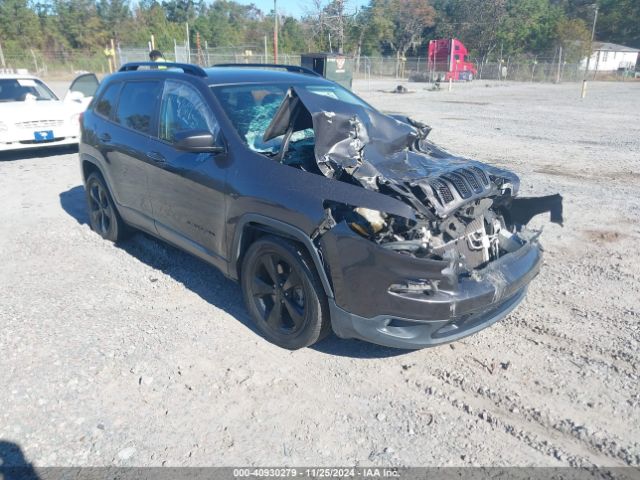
223,194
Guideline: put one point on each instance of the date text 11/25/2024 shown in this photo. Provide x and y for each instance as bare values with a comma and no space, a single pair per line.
317,472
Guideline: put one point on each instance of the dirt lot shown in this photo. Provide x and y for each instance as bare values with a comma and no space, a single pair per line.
142,355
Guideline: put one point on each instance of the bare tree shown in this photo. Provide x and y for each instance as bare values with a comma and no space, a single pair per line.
329,21
410,18
476,22
402,23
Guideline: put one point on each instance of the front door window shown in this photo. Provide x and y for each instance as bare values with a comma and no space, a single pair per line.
184,109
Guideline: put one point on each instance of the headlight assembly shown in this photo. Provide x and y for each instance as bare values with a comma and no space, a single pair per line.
366,222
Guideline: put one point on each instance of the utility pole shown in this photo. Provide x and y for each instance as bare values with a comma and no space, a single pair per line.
586,69
266,52
199,50
188,45
500,64
275,31
559,64
113,54
4,65
340,16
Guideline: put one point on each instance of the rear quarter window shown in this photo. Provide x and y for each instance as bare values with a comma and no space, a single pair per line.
106,104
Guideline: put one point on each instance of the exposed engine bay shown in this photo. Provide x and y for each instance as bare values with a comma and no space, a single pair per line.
465,210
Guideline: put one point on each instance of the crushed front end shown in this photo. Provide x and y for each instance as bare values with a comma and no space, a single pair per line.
459,261
411,302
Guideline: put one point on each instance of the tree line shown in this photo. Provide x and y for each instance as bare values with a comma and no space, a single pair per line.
490,28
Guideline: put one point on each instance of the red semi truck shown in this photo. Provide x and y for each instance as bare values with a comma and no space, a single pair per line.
448,58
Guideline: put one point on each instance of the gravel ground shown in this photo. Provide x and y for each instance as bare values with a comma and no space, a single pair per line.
142,355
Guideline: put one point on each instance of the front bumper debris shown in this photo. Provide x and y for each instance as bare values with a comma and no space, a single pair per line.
477,303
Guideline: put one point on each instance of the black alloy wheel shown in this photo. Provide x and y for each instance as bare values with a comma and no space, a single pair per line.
283,293
103,216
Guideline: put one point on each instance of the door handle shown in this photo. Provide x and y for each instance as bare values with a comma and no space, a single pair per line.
157,158
105,138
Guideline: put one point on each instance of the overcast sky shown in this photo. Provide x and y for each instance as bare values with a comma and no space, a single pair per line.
297,8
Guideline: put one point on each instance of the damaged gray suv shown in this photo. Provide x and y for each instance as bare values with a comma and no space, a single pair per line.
330,214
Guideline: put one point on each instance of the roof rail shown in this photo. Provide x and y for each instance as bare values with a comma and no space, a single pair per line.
185,67
288,68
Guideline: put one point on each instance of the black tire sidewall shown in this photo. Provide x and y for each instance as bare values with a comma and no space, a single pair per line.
116,224
314,327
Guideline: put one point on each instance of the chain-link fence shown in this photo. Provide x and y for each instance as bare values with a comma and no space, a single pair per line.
68,63
56,63
545,70
71,62
207,56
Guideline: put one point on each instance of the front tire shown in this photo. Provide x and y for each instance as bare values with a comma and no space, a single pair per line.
103,216
283,294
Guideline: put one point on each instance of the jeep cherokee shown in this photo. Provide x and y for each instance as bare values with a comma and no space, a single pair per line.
330,214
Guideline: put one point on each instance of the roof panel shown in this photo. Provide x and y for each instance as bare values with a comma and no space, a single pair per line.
613,47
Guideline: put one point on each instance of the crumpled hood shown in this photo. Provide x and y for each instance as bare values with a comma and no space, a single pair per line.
387,154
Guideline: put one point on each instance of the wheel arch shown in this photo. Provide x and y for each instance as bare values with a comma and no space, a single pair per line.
252,226
89,165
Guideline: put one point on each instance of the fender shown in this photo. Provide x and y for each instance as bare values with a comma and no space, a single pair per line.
278,227
85,157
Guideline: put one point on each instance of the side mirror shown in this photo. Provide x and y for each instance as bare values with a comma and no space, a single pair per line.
196,141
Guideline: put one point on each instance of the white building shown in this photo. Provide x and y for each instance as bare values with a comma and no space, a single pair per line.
609,57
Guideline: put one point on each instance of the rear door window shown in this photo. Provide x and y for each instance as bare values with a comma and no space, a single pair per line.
106,105
137,105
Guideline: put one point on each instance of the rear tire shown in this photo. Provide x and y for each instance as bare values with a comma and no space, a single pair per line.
283,293
103,215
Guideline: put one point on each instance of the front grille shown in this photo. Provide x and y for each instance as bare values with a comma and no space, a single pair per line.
459,183
33,124
442,191
481,174
38,142
468,182
471,178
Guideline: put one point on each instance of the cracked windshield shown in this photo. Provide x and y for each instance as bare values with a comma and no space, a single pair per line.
251,108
